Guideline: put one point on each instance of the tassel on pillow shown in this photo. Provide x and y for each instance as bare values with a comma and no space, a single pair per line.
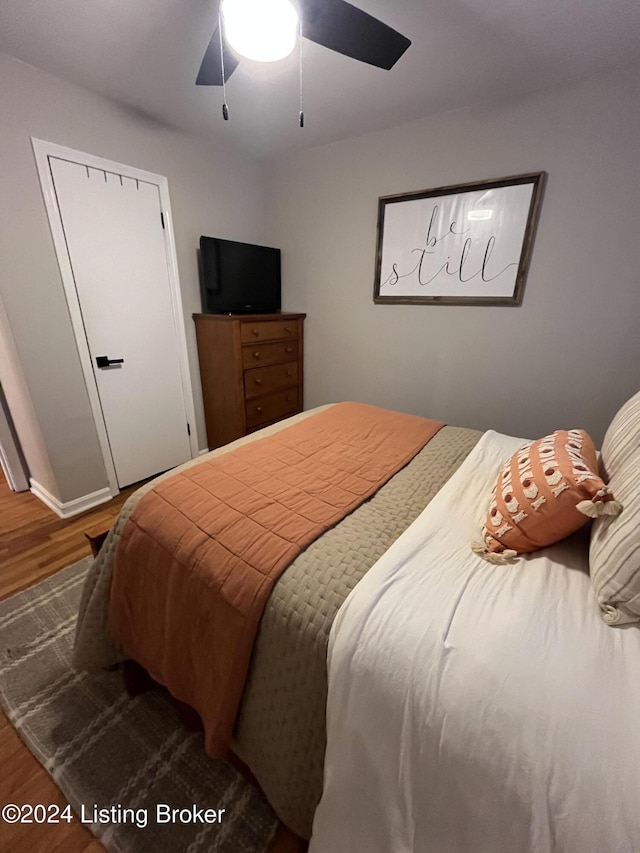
498,558
597,507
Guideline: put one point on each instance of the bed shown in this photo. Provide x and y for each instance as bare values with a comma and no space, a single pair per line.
280,729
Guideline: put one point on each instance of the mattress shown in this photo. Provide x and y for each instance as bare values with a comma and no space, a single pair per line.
280,729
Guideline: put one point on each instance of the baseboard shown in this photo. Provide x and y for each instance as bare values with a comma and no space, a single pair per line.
68,509
202,452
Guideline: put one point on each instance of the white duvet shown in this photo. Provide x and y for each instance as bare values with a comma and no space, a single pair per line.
476,708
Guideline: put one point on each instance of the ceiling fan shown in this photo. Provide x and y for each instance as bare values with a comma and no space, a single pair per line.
335,24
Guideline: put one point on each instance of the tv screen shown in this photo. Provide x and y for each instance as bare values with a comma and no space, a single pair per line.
239,278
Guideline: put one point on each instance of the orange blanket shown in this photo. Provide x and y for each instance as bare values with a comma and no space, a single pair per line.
201,551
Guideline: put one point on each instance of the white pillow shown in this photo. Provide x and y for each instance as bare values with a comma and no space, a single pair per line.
614,555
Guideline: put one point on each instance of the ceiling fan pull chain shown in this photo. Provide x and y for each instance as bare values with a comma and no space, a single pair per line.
301,115
225,108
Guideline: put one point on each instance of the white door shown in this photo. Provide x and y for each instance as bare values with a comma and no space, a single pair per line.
115,241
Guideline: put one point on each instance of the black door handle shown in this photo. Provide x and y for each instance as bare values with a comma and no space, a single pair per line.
105,361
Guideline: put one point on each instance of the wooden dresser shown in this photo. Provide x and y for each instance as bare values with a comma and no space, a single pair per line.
251,371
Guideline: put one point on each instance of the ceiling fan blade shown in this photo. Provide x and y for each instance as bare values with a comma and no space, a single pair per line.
342,27
210,73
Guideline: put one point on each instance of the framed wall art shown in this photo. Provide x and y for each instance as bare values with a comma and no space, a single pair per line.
468,244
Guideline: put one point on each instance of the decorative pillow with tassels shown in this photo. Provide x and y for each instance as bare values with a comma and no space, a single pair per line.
548,489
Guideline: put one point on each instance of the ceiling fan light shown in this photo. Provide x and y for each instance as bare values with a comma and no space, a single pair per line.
263,30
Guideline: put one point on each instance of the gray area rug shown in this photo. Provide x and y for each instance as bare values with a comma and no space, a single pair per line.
107,751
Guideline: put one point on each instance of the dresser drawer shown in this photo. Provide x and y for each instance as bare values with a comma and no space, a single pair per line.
268,331
263,354
265,380
272,407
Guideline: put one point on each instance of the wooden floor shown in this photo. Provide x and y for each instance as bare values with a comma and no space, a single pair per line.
35,543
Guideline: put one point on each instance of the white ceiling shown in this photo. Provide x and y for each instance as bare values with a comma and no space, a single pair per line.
146,54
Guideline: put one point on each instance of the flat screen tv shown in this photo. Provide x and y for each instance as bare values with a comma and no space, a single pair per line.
239,278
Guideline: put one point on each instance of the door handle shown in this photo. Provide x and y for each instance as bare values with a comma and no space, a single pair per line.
105,361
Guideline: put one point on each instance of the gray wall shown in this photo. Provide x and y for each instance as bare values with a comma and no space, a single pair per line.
567,357
213,190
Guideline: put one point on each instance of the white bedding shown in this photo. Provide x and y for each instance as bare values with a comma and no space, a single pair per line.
476,708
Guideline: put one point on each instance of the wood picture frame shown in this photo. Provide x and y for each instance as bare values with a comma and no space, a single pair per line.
465,244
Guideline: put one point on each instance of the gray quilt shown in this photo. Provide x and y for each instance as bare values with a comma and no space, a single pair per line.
280,730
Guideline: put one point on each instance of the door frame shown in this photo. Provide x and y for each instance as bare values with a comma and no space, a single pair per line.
42,150
11,458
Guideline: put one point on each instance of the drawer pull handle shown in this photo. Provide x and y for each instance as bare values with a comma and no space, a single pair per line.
289,349
258,408
256,355
289,398
289,373
288,329
258,381
255,332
